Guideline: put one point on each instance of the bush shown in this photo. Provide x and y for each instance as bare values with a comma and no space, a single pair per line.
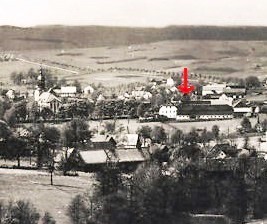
48,219
21,212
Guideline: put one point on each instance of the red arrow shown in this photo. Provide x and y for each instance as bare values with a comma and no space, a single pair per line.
185,88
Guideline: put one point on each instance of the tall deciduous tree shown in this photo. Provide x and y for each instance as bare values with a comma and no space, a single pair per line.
215,131
177,136
246,124
76,133
158,134
144,131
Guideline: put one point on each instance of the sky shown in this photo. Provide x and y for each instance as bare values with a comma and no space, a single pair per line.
138,13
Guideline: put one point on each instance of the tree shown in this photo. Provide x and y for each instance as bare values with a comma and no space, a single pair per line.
78,86
46,113
158,134
16,148
144,131
76,133
48,219
141,110
110,127
51,136
192,137
246,125
215,131
177,136
252,82
78,210
205,136
22,212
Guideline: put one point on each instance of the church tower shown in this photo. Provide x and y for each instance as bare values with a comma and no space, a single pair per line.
41,80
40,85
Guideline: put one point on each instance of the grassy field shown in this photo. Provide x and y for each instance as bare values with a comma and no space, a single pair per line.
133,125
35,186
215,58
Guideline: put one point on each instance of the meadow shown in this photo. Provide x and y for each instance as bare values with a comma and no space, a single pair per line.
35,186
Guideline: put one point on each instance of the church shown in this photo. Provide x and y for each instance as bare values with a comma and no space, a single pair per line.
46,99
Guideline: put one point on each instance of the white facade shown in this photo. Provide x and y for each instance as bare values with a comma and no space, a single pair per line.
216,117
138,94
170,82
213,89
10,94
182,117
68,91
88,90
168,111
243,109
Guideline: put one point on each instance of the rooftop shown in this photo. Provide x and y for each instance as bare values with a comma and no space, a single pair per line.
203,109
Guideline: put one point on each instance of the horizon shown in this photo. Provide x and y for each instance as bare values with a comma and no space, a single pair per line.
134,27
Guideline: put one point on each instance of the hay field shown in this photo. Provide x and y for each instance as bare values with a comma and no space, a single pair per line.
216,58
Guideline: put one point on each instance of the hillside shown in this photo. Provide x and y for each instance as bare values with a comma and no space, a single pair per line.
65,37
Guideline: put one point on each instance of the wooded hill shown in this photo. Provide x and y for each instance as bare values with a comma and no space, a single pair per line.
64,37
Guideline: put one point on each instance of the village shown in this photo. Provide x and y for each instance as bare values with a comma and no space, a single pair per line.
49,127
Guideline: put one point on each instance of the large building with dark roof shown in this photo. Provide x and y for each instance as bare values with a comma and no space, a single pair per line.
203,111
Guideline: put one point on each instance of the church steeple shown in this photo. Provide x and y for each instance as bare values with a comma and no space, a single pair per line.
41,80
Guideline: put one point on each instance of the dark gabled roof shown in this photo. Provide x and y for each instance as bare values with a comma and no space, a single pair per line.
202,102
103,141
226,148
212,96
187,109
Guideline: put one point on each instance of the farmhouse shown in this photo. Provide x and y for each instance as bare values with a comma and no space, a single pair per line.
103,142
222,151
242,107
189,111
94,159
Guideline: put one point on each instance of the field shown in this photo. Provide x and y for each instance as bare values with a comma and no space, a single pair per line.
212,58
226,126
35,186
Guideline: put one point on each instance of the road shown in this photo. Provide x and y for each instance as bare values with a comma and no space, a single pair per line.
48,66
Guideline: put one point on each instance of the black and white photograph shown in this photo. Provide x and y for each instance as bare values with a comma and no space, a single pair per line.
133,112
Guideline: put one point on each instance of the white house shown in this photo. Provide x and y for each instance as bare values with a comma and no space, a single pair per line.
88,90
170,82
11,94
168,111
68,91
